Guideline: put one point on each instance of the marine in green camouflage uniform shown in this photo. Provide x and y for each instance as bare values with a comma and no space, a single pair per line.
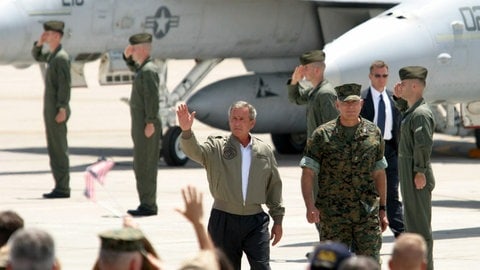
56,109
144,107
416,140
352,184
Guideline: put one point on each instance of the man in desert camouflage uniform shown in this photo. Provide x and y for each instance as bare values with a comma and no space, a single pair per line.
351,201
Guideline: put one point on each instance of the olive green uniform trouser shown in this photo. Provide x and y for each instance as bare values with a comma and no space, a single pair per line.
416,140
57,147
146,153
418,206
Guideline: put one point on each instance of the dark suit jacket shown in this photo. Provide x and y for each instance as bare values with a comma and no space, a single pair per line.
368,112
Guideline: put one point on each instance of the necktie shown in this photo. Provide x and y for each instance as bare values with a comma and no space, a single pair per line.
381,115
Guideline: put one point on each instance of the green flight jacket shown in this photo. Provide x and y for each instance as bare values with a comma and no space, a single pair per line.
320,103
144,99
416,142
57,79
221,157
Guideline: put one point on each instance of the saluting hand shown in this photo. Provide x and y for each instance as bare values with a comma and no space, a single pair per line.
128,51
185,119
397,90
297,75
42,39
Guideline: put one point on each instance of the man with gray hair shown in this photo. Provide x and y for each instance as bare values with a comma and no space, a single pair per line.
32,249
242,174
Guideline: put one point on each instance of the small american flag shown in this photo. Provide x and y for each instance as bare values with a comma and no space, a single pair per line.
98,172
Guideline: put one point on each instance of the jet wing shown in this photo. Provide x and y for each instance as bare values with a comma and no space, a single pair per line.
339,16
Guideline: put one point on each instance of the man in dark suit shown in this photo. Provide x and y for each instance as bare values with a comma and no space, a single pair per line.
379,108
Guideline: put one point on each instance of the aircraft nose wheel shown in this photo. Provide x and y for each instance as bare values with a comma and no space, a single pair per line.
477,137
171,151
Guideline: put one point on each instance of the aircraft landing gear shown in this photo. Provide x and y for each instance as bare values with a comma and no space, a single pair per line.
477,137
475,153
171,151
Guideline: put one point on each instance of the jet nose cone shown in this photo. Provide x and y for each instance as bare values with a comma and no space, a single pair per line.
397,41
333,73
211,106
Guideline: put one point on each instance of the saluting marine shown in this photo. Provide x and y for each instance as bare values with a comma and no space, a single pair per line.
56,108
146,126
414,167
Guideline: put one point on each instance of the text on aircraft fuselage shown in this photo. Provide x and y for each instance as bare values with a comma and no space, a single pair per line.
71,3
471,17
160,23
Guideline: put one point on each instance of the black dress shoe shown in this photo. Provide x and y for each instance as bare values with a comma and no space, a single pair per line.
141,212
56,195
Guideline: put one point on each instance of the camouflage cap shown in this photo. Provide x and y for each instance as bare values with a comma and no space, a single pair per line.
125,239
348,92
312,56
56,26
413,72
140,38
328,255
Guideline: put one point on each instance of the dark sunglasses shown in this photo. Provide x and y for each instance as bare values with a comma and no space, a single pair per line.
381,75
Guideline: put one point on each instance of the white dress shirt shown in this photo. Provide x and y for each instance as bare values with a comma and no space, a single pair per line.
388,114
246,161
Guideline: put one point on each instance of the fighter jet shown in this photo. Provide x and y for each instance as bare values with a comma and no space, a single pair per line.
268,35
441,35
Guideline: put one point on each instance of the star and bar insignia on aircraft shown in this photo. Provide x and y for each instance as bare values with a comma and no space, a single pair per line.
161,22
264,89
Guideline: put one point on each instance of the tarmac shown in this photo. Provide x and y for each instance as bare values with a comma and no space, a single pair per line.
100,126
